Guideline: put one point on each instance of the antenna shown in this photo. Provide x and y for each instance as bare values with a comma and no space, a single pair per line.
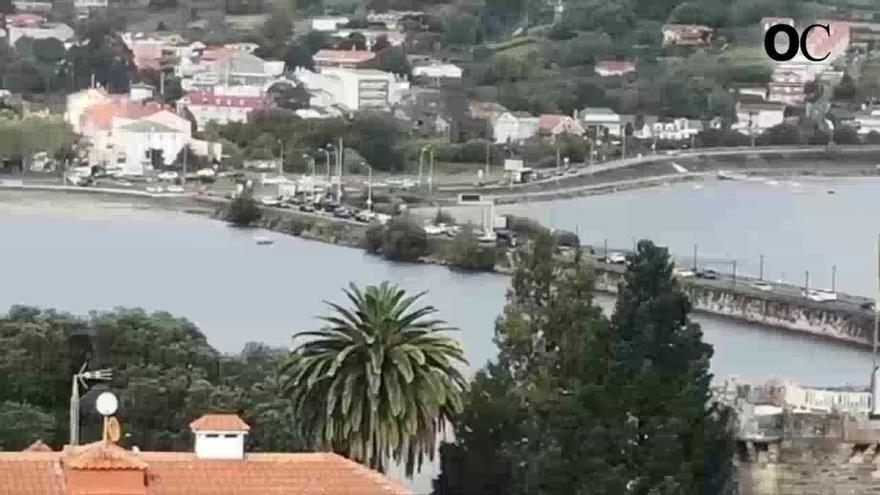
78,380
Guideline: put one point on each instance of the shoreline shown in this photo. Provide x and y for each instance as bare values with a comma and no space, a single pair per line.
780,311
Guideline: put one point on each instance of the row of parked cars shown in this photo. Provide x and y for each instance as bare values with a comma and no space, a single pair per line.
337,210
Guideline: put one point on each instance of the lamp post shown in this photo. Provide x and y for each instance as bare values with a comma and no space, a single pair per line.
327,149
429,148
369,186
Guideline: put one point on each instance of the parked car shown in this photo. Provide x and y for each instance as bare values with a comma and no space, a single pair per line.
364,216
707,274
616,258
820,295
432,229
168,175
174,189
307,207
270,201
330,206
683,273
342,212
155,189
869,305
763,286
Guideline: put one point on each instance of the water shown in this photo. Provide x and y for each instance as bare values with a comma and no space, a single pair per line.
75,255
795,224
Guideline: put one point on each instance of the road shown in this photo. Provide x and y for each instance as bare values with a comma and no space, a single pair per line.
547,185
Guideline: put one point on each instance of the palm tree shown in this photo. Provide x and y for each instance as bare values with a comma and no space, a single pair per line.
379,380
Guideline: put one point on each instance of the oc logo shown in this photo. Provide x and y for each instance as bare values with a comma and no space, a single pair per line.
795,41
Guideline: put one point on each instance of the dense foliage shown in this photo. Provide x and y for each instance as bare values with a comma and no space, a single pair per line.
165,374
243,211
579,403
467,253
379,381
401,239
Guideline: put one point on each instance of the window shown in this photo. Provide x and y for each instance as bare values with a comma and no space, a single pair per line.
230,435
212,435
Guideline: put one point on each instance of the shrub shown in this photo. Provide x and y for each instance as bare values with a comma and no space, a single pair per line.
404,240
374,238
243,211
524,226
567,238
443,217
466,252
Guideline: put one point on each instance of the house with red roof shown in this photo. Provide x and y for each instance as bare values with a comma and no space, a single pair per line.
556,124
218,465
687,34
346,59
223,104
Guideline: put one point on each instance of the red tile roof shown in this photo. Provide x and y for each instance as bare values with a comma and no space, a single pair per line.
219,422
38,446
207,97
21,20
343,56
100,116
103,456
171,473
549,123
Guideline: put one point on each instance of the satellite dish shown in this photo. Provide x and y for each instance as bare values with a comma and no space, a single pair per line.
106,404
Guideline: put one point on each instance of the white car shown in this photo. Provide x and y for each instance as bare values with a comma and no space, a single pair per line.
616,258
270,201
174,189
488,236
683,273
763,286
155,189
168,175
432,229
820,295
122,183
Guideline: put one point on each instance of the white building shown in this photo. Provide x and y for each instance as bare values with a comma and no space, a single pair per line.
137,143
327,24
229,68
89,4
223,104
611,68
758,117
512,127
219,436
79,102
437,71
354,89
601,119
674,130
823,400
61,32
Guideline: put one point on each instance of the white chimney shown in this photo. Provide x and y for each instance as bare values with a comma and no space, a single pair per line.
219,436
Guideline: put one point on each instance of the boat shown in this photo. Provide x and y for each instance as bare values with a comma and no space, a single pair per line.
263,241
831,191
727,175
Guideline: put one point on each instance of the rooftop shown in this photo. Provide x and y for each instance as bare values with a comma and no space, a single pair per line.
219,422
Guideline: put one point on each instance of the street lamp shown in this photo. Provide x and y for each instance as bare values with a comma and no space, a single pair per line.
311,161
429,148
327,149
79,380
369,186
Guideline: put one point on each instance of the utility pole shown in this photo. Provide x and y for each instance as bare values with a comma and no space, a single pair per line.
761,272
185,154
421,164
79,380
695,258
431,170
807,282
605,249
833,278
369,188
734,273
339,158
488,157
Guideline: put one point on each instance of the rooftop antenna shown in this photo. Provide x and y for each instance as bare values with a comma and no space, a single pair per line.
78,380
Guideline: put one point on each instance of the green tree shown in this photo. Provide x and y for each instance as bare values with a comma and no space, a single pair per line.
393,59
23,424
846,89
402,239
466,252
676,440
461,30
375,137
379,380
243,210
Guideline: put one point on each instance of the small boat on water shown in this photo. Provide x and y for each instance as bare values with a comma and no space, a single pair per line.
831,191
727,175
263,241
